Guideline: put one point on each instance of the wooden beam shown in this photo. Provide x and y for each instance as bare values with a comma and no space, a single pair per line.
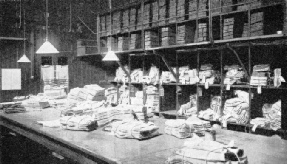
11,38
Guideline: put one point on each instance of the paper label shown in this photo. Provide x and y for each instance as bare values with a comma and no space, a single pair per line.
259,89
199,92
203,79
228,87
161,92
206,85
254,127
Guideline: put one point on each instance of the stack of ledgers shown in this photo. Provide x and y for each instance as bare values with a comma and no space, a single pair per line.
12,107
152,99
167,77
91,92
199,151
134,129
236,109
271,119
212,113
136,76
111,95
188,76
207,74
260,75
233,75
121,75
178,128
189,108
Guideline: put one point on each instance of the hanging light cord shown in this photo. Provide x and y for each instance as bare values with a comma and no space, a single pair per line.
47,15
24,27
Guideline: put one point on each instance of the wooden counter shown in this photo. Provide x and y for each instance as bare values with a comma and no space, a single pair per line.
101,147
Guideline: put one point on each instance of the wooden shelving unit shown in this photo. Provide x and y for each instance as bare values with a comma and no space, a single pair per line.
221,31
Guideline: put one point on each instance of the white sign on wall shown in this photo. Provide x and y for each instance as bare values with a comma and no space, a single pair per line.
11,79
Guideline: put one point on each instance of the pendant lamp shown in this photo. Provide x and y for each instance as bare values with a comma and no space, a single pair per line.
24,58
111,56
47,47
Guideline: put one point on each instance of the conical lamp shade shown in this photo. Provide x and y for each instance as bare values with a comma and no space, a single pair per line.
47,48
24,59
111,56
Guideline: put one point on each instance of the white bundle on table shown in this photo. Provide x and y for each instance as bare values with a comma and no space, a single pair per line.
78,122
197,150
178,128
134,129
199,126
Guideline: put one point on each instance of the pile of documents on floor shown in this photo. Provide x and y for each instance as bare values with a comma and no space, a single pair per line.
12,107
234,74
271,119
236,109
200,151
189,108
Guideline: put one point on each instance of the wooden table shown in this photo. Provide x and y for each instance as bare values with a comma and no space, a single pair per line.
101,147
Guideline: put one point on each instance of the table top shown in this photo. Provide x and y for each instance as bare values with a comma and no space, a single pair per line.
259,149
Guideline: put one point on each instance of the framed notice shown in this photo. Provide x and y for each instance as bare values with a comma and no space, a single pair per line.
11,79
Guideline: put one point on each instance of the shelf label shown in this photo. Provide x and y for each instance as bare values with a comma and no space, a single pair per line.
206,85
228,87
203,79
199,92
259,89
161,92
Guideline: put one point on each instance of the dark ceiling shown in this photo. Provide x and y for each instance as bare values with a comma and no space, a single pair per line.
64,15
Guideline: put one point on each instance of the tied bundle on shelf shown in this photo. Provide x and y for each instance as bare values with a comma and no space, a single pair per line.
189,108
121,75
197,150
167,77
136,76
207,74
236,109
233,75
12,107
188,76
260,75
271,117
212,113
178,128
